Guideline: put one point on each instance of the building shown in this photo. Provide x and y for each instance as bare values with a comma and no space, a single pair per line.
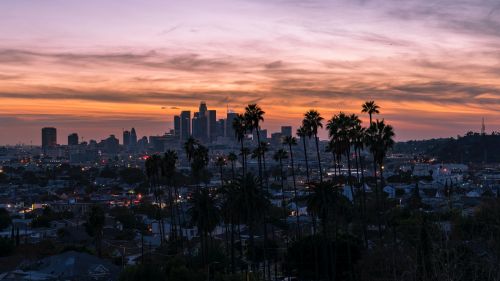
133,139
229,125
177,125
126,139
212,125
111,145
73,139
286,131
49,137
185,125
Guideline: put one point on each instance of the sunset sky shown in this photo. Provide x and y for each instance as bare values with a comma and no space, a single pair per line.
97,66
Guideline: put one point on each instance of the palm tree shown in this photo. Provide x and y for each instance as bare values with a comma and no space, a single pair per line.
153,170
279,156
221,162
292,141
231,157
169,162
253,116
205,214
370,107
95,225
379,138
231,209
240,128
190,146
302,133
312,121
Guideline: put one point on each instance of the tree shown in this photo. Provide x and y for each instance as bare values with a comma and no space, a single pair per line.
253,116
95,225
279,156
292,141
231,157
370,107
205,214
240,128
313,121
220,162
379,138
5,219
302,133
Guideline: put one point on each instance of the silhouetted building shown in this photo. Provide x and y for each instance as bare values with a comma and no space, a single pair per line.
229,125
111,145
49,137
185,122
73,139
220,128
142,144
126,139
177,125
133,139
286,131
212,124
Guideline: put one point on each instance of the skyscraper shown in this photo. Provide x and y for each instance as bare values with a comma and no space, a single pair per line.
185,125
73,139
49,137
133,138
212,124
286,131
126,139
177,125
229,125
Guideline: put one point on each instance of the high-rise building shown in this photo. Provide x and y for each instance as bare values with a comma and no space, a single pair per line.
49,137
212,124
126,139
111,144
177,125
286,131
73,139
133,138
229,125
220,127
185,122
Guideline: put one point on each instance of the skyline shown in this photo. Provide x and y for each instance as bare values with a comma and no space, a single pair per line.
95,68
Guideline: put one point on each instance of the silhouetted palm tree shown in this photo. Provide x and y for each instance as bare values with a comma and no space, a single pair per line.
312,121
253,116
190,147
205,214
220,162
279,156
292,141
303,132
370,107
240,128
231,157
379,138
95,225
169,162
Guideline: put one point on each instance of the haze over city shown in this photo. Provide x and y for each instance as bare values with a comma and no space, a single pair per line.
99,66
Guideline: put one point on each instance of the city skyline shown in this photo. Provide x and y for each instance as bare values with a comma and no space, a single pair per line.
95,68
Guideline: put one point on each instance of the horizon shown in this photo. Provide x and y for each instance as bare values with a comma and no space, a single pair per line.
94,68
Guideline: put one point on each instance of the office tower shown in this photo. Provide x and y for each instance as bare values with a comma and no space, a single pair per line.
126,139
133,138
49,137
185,128
203,108
220,128
177,125
262,134
212,124
73,139
229,125
142,144
286,131
111,144
196,129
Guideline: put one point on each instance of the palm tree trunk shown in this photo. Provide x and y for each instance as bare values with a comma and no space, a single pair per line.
319,158
232,244
295,191
305,157
365,229
377,199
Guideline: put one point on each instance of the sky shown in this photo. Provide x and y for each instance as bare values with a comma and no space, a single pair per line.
97,66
